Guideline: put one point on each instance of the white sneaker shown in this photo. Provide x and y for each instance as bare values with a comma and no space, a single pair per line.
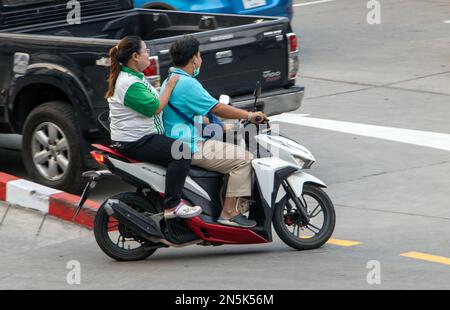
183,211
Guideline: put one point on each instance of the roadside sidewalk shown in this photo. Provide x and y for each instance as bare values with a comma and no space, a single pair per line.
29,195
25,230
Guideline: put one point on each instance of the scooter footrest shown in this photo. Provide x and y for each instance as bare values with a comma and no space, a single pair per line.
178,232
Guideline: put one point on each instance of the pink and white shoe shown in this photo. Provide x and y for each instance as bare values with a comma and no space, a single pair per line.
184,211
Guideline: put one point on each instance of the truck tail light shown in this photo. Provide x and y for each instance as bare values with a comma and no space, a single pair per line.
292,42
293,57
153,69
152,72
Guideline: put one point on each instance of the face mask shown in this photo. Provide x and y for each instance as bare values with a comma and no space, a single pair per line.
196,72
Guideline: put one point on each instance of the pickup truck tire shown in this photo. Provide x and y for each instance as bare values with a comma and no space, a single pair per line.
51,147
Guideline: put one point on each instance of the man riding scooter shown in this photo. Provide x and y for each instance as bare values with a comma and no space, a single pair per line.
189,99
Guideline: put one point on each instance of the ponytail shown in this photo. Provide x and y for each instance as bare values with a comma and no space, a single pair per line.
119,55
114,71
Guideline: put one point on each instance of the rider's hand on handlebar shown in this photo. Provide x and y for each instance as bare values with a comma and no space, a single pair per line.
259,118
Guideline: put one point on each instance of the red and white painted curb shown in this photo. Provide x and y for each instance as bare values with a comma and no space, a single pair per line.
26,194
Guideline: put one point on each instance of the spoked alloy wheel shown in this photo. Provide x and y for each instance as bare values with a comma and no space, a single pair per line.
299,234
115,239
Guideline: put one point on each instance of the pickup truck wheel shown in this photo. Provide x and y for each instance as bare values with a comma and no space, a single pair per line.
51,147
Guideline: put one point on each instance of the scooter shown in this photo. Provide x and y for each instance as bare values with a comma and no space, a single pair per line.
131,226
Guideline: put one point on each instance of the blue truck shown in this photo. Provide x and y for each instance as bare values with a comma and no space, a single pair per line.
247,7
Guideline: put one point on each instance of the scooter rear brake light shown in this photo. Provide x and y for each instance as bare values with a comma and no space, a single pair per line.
99,158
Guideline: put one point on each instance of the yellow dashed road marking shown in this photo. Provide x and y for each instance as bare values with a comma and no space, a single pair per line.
428,257
346,243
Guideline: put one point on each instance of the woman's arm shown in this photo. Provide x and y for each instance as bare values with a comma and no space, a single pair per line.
165,96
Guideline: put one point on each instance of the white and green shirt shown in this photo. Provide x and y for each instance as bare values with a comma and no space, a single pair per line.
132,108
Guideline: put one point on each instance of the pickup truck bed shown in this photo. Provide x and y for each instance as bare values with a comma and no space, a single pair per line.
251,43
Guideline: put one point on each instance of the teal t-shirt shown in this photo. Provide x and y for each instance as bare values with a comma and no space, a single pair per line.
193,100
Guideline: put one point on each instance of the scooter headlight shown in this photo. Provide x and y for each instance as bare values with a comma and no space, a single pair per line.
305,164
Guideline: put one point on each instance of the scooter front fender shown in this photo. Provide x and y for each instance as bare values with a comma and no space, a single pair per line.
298,180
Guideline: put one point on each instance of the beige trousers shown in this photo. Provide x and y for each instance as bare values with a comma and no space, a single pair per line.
230,160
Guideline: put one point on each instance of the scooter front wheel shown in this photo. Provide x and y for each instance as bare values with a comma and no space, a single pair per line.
115,239
298,233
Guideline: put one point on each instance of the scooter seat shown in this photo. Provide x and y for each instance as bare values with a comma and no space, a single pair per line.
197,172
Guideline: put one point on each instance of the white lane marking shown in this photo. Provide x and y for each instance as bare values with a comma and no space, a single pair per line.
447,21
430,139
312,2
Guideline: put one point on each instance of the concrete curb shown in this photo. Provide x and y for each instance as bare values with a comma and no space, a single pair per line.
26,194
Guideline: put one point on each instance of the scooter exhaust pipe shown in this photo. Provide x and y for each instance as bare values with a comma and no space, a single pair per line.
133,220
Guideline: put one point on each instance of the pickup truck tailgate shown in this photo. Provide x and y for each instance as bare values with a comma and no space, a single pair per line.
239,57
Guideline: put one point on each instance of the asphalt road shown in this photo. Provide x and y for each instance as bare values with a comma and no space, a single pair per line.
391,192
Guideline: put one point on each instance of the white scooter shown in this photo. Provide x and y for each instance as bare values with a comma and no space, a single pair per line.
130,226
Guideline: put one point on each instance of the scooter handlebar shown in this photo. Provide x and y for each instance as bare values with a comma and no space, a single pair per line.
258,120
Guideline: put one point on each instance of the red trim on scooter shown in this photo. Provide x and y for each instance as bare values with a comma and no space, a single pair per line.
217,233
113,152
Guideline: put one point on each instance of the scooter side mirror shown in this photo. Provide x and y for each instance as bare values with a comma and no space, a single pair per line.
257,92
225,99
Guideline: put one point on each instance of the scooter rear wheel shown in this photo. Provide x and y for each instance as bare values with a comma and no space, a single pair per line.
294,231
107,228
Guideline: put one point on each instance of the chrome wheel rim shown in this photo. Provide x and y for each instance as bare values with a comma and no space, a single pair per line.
50,151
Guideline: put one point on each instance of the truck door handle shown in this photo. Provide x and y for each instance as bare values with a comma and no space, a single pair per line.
224,54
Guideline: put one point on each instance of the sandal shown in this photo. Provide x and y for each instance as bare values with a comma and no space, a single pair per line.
237,221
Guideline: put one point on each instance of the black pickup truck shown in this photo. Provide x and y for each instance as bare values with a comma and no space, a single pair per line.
54,66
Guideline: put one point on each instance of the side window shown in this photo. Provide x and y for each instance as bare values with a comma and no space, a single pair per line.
14,3
22,8
20,2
